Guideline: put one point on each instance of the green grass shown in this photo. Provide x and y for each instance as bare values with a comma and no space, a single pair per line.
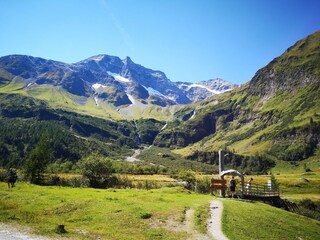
245,220
286,167
57,97
14,86
140,214
95,213
172,161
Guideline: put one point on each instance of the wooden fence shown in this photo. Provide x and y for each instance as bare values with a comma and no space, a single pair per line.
260,190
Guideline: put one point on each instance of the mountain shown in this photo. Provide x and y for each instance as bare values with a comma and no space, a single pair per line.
276,115
102,77
81,105
108,105
205,89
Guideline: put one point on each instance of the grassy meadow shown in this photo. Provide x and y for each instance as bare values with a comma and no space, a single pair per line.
89,213
100,213
254,220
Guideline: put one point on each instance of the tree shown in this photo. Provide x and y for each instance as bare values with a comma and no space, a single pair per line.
97,169
189,176
274,182
38,160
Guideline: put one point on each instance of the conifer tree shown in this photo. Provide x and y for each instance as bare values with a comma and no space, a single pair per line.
38,160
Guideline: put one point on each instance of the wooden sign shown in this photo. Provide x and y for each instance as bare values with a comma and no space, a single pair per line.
218,187
218,184
218,181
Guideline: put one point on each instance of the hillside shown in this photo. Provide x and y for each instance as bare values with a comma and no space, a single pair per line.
276,115
102,85
110,106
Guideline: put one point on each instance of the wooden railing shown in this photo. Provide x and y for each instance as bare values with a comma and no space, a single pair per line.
259,190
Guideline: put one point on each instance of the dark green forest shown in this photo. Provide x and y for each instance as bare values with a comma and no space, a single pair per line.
24,120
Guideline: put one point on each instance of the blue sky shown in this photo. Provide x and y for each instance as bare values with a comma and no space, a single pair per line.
189,40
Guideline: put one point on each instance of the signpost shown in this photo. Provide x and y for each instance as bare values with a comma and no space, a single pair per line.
218,184
221,169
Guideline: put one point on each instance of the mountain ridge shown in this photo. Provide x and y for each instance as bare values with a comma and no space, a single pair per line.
122,77
276,114
274,117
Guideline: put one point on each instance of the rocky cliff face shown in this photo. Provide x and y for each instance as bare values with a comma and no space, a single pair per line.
205,89
106,79
136,80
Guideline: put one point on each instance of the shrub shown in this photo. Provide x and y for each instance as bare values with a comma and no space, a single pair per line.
147,185
189,177
309,208
97,169
55,180
3,175
203,185
145,215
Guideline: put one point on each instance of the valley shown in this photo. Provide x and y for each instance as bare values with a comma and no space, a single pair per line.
118,144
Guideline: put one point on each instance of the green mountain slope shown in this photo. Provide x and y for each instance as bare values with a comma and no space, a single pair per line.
23,120
276,114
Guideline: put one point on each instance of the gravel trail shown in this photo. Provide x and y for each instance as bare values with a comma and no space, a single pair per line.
214,223
13,232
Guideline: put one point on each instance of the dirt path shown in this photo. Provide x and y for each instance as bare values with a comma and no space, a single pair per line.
190,228
214,223
13,232
134,158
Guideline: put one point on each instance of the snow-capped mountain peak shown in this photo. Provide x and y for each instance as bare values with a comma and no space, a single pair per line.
204,89
108,78
194,85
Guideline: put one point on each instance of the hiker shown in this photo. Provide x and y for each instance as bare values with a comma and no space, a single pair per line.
12,178
249,183
232,184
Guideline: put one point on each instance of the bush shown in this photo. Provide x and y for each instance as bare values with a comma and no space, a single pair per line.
147,185
203,185
3,175
309,204
309,209
189,177
55,180
97,169
145,215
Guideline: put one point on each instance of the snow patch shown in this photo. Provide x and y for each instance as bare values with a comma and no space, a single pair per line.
119,77
156,74
98,86
183,85
171,98
194,114
164,126
97,58
131,98
201,86
96,100
29,85
152,91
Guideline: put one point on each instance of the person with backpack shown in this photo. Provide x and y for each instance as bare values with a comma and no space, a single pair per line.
232,185
12,178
